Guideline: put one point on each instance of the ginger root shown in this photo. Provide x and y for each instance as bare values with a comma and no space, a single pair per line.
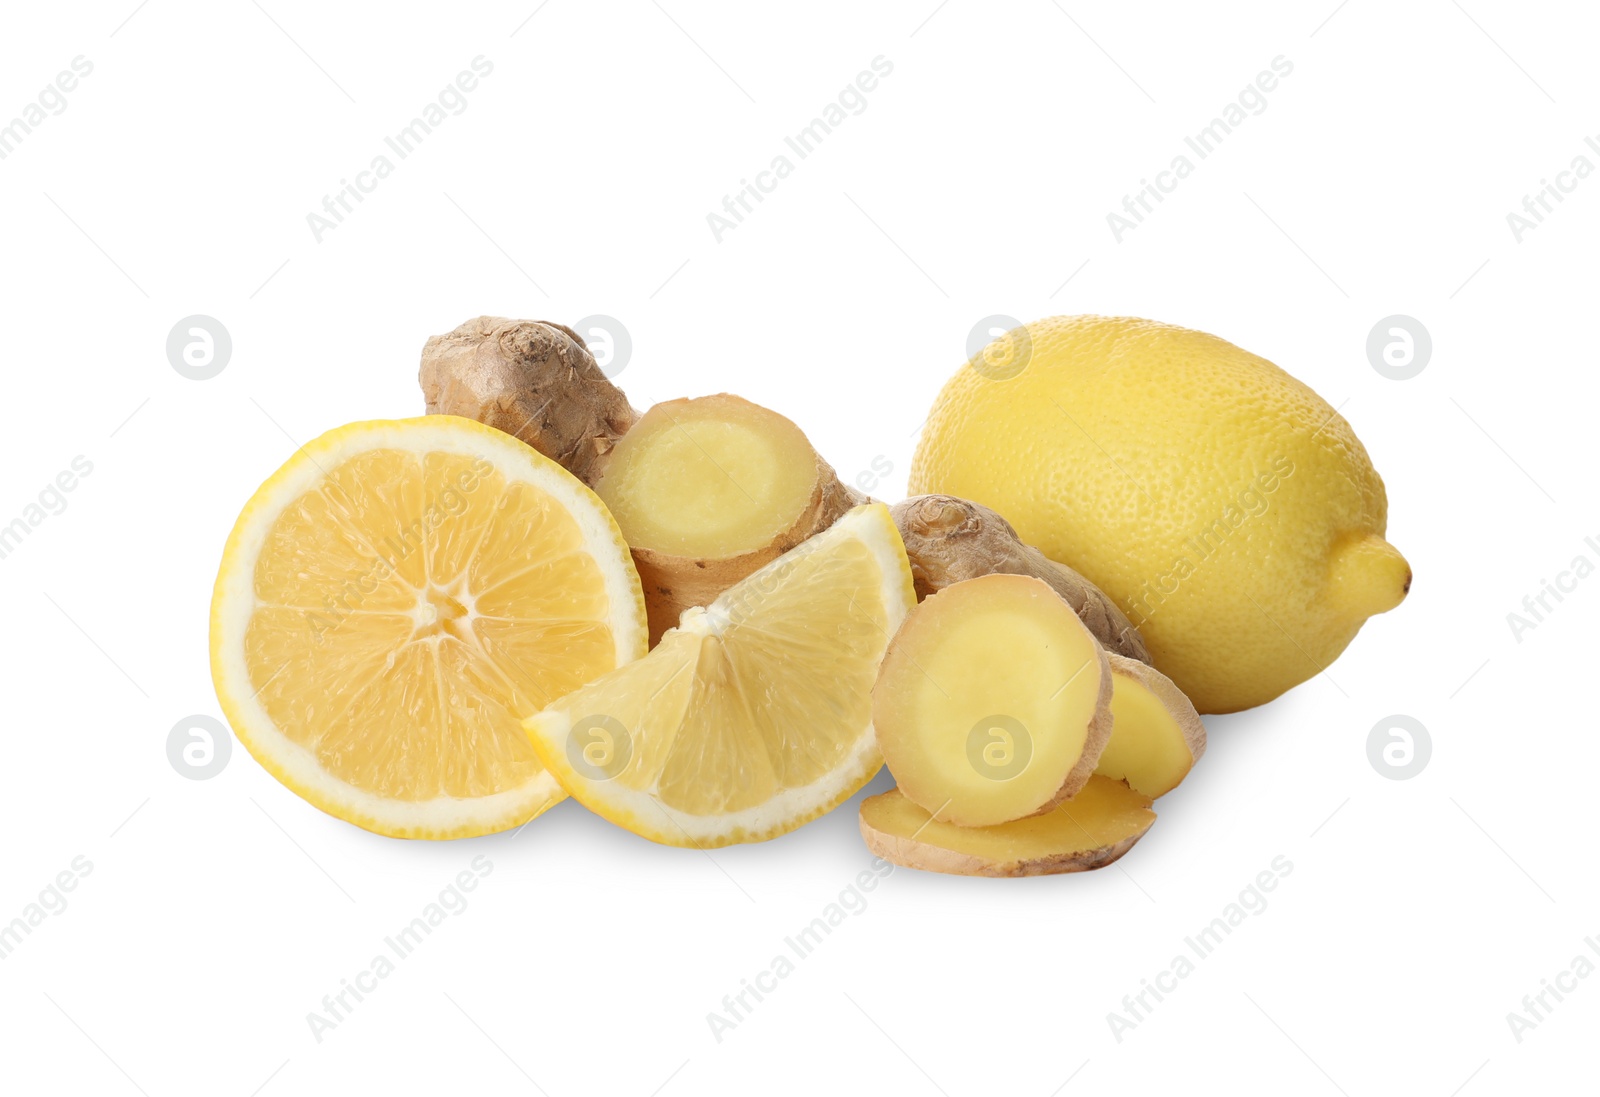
950,540
532,379
1089,831
707,491
993,701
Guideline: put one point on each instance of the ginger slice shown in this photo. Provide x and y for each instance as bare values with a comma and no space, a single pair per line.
706,491
1089,831
1156,734
950,540
993,702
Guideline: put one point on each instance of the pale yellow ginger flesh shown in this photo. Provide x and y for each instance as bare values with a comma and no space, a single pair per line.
1089,831
993,701
712,477
1156,735
709,490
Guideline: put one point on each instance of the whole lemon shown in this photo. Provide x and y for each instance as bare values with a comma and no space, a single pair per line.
1223,505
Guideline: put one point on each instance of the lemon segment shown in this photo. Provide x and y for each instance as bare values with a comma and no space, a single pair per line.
754,715
394,600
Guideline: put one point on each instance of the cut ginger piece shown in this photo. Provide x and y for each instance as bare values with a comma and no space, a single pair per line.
755,714
1156,734
1089,831
708,490
993,702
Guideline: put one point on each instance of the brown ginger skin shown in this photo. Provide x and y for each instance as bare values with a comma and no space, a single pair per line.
532,379
949,540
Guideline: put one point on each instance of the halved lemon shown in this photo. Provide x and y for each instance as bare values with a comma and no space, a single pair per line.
754,715
393,601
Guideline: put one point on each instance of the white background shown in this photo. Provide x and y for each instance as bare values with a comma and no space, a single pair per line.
219,913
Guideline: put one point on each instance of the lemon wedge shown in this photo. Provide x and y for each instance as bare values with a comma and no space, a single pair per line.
754,715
